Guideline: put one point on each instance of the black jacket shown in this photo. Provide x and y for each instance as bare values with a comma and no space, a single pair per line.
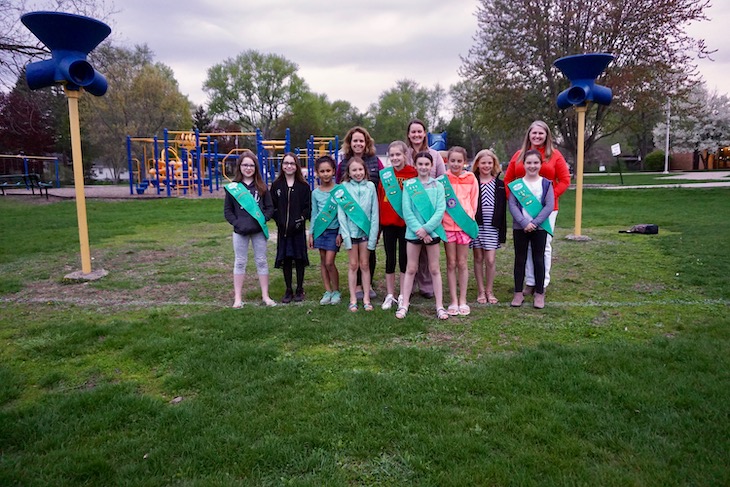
243,223
499,219
292,206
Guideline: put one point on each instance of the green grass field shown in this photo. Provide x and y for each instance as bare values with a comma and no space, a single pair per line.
147,377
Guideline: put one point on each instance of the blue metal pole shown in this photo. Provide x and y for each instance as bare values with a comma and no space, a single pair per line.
58,180
156,158
310,162
129,165
197,162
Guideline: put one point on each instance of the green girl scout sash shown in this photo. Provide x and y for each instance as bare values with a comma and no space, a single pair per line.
351,208
393,191
456,211
245,199
423,204
326,215
529,202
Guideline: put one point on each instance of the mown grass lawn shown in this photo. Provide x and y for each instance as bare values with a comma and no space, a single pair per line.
147,377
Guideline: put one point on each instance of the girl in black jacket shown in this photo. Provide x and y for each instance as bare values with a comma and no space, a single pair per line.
491,217
292,207
247,229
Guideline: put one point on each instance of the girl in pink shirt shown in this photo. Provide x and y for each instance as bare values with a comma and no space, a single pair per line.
466,191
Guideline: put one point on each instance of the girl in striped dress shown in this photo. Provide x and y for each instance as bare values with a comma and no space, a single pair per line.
491,217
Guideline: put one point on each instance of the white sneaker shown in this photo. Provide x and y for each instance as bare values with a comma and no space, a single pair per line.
326,298
388,302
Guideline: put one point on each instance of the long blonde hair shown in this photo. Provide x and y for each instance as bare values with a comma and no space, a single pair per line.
496,168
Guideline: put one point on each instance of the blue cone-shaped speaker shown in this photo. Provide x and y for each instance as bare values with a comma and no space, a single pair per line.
582,71
70,38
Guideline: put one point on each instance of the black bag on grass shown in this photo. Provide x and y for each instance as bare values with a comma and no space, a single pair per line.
645,228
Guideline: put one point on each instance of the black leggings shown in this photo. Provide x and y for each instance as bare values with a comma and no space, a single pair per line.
287,268
371,263
522,239
394,238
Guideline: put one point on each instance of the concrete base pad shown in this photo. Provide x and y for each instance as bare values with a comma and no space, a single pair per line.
79,276
579,238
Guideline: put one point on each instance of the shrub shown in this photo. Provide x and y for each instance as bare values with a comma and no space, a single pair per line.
655,161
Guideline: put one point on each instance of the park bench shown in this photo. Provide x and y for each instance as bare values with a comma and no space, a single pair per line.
24,181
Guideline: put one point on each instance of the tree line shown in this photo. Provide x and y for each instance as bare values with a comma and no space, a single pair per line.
508,80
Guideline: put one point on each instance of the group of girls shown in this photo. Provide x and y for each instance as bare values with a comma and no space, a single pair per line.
416,204
249,204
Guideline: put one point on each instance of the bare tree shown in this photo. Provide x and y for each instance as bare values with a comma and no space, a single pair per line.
18,45
511,67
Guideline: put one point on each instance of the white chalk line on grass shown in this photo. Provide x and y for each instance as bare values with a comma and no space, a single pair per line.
556,304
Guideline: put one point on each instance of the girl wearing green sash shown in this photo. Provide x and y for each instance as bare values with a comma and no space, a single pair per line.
325,234
247,207
531,201
423,209
462,197
392,226
357,212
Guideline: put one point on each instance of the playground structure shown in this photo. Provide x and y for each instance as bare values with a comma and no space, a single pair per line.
190,162
31,165
437,141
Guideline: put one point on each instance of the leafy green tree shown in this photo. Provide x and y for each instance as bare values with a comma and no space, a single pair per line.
314,114
254,90
511,70
143,99
398,105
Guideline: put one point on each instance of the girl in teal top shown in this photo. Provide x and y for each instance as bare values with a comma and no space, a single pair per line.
424,205
359,229
329,241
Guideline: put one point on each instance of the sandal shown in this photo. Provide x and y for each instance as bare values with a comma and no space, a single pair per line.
482,299
269,302
401,313
492,298
464,310
352,307
442,314
453,310
238,305
367,306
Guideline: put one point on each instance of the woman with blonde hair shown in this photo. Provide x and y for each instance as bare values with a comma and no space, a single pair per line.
554,169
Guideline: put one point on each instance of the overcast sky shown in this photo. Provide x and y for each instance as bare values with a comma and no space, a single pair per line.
347,50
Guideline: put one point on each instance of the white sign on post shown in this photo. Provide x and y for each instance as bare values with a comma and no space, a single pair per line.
616,150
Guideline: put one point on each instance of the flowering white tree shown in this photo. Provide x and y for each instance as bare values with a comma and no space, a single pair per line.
700,124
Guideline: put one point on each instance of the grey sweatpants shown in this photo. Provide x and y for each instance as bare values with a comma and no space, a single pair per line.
240,249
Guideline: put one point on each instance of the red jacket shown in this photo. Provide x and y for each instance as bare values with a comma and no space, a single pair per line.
554,169
388,216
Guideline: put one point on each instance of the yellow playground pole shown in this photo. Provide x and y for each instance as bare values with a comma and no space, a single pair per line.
581,110
78,169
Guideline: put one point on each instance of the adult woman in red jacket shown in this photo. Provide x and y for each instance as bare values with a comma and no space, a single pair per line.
555,169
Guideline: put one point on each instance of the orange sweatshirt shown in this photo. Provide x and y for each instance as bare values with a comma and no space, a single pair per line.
466,189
